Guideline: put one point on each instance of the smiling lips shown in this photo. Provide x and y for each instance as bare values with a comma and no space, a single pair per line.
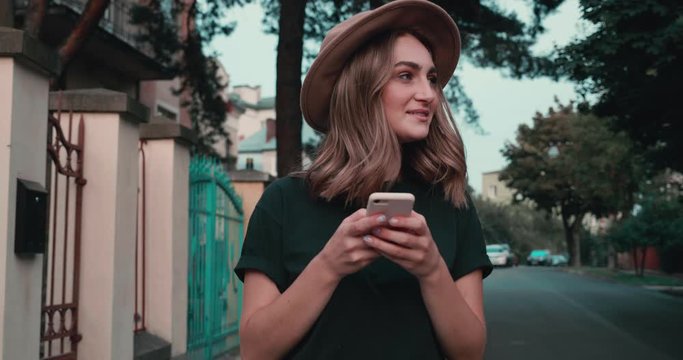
421,114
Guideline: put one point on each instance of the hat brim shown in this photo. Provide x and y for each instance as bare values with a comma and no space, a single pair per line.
430,20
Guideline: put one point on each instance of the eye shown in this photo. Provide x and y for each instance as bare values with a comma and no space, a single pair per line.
405,76
432,79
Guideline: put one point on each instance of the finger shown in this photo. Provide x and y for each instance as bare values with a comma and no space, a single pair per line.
365,225
388,249
366,254
357,215
399,237
415,223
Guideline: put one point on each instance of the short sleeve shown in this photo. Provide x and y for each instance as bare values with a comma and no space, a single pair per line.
262,248
470,253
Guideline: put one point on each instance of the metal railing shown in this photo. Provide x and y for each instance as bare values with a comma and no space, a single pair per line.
59,318
140,247
116,19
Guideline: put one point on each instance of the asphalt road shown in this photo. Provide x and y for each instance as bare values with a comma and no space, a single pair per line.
545,313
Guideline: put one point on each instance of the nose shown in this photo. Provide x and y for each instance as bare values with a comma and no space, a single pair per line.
425,92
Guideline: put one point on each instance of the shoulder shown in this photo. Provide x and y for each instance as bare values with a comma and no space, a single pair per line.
291,185
283,190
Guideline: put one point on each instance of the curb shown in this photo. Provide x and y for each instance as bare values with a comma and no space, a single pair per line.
671,290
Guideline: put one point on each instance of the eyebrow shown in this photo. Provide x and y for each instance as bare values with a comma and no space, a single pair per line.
414,65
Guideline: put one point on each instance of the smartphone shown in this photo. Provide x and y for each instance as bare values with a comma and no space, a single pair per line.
390,204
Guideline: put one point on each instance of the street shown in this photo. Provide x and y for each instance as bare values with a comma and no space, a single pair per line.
545,313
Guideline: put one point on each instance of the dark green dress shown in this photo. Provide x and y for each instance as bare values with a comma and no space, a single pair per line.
378,312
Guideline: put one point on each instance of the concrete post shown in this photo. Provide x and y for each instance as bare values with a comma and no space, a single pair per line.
167,164
25,68
249,185
109,213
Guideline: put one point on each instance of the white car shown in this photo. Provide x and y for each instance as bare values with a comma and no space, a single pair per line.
499,254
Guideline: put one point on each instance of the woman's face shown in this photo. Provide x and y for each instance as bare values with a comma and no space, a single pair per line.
409,98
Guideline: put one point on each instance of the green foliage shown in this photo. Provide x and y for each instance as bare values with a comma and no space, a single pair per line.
520,226
572,164
594,248
177,32
633,62
657,221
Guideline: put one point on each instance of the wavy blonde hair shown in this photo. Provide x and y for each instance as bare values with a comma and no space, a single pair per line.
361,154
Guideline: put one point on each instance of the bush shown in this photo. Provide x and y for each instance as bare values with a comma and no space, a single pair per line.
658,223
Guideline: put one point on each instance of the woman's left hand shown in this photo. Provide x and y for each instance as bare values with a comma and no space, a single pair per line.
408,242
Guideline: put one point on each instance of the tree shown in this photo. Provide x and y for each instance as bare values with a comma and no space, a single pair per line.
633,63
491,38
571,164
288,86
520,226
176,31
659,224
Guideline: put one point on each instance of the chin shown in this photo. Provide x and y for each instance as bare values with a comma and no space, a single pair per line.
408,138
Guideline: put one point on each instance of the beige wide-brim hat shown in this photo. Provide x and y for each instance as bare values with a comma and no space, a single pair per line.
342,41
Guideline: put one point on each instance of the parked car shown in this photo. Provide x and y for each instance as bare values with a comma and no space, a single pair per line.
500,255
512,257
559,260
539,257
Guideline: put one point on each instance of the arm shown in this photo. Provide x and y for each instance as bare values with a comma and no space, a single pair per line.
455,308
273,322
457,312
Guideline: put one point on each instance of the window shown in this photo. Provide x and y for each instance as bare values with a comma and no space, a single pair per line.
166,112
493,191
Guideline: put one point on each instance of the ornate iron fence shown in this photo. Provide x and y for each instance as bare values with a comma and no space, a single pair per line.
141,245
216,227
59,320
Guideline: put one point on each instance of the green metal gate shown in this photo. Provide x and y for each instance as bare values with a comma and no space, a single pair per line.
215,293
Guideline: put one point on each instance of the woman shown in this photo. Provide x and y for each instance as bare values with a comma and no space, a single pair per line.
322,279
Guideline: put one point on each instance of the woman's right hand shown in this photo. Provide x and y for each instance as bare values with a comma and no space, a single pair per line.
346,252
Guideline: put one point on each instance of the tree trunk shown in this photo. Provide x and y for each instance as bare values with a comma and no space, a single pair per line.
634,255
90,17
35,12
7,13
288,86
611,256
576,260
641,268
374,4
573,244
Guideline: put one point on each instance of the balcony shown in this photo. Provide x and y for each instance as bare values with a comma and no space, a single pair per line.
112,45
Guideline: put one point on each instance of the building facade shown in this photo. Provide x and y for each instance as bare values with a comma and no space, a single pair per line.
257,148
495,190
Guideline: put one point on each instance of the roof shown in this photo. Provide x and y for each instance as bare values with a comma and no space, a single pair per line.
257,142
263,104
250,175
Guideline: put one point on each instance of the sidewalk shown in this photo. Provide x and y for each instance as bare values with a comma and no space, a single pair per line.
671,284
228,357
234,355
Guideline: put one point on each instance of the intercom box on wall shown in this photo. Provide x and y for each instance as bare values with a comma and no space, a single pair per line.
30,233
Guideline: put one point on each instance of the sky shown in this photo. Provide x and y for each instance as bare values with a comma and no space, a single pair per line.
249,55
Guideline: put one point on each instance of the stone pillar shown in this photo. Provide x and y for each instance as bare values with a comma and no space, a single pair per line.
167,164
107,280
25,68
249,185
